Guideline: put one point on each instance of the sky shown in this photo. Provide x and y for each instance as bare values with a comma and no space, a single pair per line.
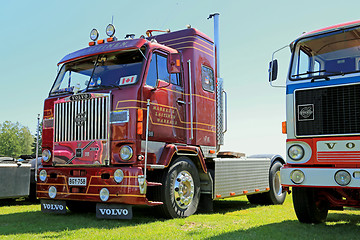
37,34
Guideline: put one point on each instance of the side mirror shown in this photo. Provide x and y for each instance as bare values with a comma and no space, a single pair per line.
273,70
173,63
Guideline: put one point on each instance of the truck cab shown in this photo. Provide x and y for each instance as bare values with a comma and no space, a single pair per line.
322,125
140,122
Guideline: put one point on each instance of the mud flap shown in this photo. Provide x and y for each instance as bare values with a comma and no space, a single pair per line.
113,211
52,206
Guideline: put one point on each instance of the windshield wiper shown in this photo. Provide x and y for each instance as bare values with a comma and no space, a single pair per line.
92,73
320,77
105,86
62,91
308,72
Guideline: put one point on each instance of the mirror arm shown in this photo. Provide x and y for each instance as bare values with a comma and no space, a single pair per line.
271,69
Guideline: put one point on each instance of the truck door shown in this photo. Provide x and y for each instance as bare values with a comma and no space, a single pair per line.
167,98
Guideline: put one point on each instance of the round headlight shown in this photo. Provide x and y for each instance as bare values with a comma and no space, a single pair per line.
94,34
297,176
110,30
126,153
43,175
296,152
342,177
118,175
46,155
104,194
52,192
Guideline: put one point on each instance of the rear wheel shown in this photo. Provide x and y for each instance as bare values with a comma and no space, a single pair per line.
276,194
180,191
309,208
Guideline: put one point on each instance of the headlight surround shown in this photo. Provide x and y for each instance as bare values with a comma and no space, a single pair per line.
296,152
43,175
52,192
297,176
126,153
118,175
46,155
342,177
104,194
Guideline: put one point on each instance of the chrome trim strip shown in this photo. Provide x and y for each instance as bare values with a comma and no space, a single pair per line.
191,109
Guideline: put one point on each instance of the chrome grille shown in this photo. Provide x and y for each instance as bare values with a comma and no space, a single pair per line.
82,120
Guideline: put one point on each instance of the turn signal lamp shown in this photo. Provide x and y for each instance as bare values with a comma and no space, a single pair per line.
284,127
100,41
140,118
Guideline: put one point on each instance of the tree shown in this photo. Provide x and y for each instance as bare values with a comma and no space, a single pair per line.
15,139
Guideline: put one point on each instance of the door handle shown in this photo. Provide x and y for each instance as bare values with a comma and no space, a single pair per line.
180,101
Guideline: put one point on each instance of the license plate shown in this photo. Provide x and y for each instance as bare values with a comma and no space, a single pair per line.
77,181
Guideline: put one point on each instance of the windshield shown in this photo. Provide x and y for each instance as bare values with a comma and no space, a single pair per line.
336,53
100,71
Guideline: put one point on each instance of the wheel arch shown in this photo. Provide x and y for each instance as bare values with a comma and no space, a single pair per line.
172,152
274,158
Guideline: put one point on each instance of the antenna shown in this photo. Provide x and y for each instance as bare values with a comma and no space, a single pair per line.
112,19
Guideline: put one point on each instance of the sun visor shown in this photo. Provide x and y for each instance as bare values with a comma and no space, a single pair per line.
104,48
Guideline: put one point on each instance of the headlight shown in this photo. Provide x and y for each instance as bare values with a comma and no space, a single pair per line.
94,34
296,152
126,152
110,30
342,177
43,175
104,194
52,192
297,176
46,155
118,175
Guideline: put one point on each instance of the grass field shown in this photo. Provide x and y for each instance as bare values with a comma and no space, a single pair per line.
232,219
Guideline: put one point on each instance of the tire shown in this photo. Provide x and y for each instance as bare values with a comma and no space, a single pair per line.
276,195
308,207
81,207
180,190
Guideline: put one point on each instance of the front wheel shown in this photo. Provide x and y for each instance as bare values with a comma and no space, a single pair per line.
180,191
309,208
276,195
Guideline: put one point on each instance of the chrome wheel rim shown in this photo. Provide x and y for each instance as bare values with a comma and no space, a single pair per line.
277,184
184,189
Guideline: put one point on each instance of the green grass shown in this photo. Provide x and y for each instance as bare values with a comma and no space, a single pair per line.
233,218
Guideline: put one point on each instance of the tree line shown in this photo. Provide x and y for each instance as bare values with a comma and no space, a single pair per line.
16,140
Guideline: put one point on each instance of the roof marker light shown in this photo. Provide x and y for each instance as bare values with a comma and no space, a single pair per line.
94,34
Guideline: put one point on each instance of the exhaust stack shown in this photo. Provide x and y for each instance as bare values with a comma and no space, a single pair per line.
216,42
